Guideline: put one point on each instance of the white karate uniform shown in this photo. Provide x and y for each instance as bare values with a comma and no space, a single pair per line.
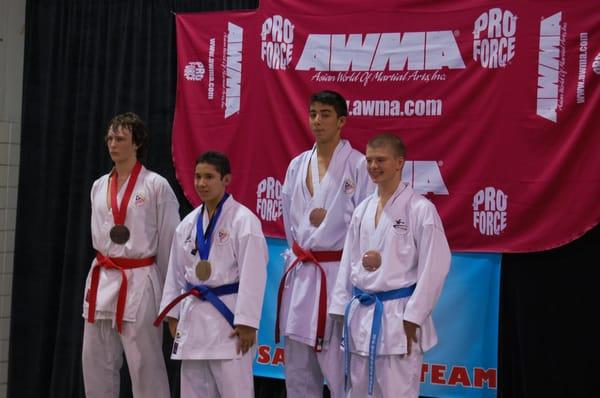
343,187
152,216
413,247
238,253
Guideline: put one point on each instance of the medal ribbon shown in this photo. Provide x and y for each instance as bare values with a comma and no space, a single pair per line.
119,213
377,238
204,240
314,175
321,194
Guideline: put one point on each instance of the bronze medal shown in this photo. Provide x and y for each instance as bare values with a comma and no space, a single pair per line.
119,234
317,216
371,260
203,270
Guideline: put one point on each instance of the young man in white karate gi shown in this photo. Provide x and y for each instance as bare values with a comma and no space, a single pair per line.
214,289
134,216
322,187
396,258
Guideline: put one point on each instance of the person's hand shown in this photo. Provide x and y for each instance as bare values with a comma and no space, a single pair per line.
246,337
410,329
172,325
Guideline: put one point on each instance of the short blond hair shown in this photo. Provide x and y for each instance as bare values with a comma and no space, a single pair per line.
388,140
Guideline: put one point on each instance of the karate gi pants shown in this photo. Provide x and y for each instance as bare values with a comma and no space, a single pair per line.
396,376
102,354
305,368
218,378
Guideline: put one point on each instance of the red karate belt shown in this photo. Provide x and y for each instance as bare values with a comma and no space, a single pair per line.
120,264
192,292
316,258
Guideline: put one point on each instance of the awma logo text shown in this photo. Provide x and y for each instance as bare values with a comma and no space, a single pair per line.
233,72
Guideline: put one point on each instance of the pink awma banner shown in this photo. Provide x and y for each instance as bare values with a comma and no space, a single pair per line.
498,104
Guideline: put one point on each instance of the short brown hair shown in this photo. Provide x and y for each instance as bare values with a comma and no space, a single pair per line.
135,125
389,140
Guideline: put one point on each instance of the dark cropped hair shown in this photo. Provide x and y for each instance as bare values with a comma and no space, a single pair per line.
331,98
135,124
217,159
389,140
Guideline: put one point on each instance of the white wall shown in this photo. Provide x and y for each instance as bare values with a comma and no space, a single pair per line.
12,39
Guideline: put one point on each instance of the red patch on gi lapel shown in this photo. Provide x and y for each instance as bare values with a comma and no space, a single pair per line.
223,236
349,186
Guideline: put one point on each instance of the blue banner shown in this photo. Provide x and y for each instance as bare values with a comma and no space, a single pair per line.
464,363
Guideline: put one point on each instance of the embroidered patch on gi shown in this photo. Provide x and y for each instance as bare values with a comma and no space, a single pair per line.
400,224
138,199
349,186
177,339
223,236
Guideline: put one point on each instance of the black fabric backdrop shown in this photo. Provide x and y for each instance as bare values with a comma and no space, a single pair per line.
88,60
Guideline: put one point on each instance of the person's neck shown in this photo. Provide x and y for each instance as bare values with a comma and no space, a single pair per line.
211,206
124,168
325,149
387,189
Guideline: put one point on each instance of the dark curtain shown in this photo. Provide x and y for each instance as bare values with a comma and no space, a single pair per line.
86,61
548,339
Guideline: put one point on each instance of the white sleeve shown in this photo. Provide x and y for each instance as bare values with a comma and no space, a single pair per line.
364,184
342,291
434,259
252,257
286,196
167,213
92,194
175,279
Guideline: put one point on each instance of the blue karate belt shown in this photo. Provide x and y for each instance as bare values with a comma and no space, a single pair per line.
205,293
211,294
365,298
